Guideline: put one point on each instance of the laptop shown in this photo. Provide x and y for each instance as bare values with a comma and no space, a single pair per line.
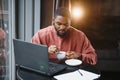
34,57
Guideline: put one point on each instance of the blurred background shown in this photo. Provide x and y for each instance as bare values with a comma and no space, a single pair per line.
98,19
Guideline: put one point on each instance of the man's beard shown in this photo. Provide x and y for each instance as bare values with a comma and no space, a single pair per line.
61,35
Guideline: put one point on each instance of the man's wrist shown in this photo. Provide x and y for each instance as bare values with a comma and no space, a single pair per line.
78,56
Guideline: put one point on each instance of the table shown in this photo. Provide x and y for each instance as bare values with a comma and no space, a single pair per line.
29,75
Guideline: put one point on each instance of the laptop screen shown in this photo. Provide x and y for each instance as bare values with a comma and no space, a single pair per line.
31,55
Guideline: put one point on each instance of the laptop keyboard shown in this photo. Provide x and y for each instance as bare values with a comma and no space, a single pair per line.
53,64
53,67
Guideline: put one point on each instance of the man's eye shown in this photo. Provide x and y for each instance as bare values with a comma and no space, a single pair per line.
65,24
59,23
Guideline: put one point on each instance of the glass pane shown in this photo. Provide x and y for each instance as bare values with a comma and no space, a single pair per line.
3,34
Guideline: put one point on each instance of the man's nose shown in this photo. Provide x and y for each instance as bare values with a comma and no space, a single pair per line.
62,26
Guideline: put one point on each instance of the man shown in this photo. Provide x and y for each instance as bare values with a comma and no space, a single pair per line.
63,37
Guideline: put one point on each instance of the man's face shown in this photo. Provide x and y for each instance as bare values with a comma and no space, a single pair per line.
61,25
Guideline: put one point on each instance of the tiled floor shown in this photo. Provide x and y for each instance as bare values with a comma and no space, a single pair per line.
110,76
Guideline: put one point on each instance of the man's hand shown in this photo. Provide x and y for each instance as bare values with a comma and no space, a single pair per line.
72,55
89,58
53,49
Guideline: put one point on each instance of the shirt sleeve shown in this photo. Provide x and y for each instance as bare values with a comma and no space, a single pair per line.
41,37
36,38
88,52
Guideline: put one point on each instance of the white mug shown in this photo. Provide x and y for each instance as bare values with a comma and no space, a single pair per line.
61,55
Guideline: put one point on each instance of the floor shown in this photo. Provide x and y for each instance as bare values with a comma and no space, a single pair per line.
110,76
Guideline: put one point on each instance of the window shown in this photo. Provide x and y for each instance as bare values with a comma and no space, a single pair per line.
6,35
3,45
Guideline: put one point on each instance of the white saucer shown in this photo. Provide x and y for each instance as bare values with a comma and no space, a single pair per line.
73,62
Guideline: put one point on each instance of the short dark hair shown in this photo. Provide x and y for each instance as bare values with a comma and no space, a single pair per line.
62,11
